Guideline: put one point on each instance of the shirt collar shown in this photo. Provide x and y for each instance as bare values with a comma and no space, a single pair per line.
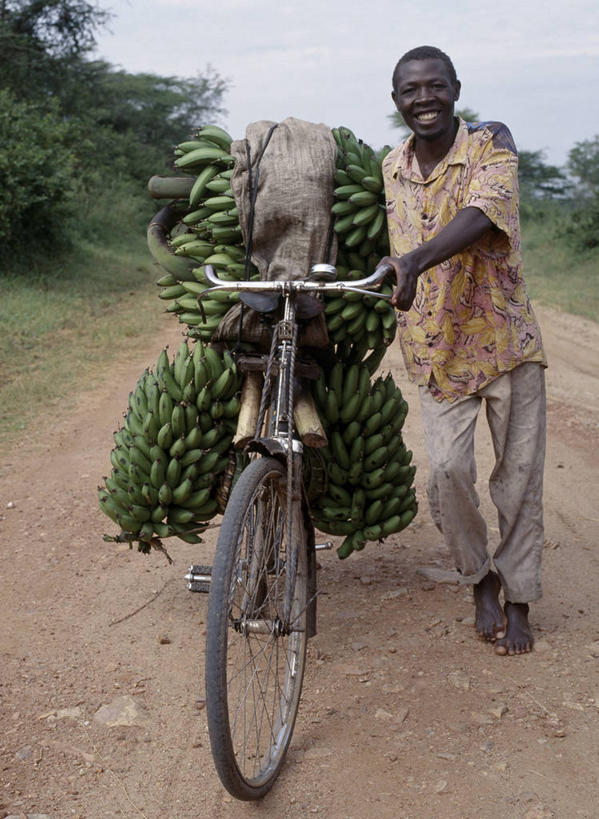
406,164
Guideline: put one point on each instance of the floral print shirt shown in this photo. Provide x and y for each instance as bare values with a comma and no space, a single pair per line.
471,319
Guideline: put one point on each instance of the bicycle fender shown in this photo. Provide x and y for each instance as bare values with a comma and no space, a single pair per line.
268,446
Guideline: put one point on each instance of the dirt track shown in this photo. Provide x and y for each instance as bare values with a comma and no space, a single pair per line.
404,713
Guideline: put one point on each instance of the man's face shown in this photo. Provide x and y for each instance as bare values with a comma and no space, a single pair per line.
425,96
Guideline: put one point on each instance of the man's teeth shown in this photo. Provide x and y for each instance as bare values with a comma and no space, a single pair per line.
426,117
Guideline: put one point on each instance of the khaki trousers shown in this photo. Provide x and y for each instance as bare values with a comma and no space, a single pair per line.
515,409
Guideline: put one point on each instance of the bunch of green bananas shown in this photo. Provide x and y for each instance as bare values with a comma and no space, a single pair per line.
208,232
359,326
173,447
203,317
369,494
360,214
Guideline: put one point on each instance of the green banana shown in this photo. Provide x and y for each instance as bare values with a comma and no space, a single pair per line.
217,135
213,362
337,474
199,186
356,452
202,156
173,472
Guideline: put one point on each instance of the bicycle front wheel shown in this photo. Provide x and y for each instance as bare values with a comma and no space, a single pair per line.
254,662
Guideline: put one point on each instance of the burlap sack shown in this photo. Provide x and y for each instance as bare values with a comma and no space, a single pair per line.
291,168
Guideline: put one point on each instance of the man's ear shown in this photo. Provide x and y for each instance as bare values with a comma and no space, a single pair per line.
394,97
458,88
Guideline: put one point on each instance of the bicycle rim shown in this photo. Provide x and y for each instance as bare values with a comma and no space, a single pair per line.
254,670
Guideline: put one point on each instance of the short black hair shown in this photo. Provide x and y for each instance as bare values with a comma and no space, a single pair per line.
425,53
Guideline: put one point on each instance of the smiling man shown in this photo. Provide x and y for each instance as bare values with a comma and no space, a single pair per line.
468,335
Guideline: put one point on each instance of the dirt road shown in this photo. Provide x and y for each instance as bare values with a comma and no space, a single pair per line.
404,714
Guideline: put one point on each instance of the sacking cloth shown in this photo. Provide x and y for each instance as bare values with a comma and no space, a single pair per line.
293,163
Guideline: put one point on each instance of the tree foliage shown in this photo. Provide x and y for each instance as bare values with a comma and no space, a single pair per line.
145,114
583,165
538,179
582,228
35,170
41,41
71,125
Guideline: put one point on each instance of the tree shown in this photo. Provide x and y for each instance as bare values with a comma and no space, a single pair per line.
35,171
93,124
159,110
582,228
583,165
40,40
127,124
539,180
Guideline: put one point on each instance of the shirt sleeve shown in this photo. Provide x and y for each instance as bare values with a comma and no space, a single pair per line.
493,186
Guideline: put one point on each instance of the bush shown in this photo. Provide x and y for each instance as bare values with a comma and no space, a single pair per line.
36,172
582,227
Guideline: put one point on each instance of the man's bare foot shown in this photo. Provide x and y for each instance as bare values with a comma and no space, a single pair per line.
489,618
518,637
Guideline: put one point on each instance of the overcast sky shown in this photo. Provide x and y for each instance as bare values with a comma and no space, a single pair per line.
533,64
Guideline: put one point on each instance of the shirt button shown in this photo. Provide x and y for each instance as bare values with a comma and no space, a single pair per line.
423,216
430,343
429,313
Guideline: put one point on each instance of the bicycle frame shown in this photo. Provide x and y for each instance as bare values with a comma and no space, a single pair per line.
279,440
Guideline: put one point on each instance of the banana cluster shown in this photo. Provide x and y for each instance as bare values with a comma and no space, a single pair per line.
173,447
203,317
369,493
207,233
360,214
359,327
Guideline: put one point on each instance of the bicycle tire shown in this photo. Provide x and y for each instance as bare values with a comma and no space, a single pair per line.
254,680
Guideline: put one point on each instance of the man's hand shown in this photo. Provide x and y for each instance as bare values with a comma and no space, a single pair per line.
406,276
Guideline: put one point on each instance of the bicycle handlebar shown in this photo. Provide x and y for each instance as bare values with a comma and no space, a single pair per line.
297,285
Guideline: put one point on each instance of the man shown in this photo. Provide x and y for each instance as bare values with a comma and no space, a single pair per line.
468,333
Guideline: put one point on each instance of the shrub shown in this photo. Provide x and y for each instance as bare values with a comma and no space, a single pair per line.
36,172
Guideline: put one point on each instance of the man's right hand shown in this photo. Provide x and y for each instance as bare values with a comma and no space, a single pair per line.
406,277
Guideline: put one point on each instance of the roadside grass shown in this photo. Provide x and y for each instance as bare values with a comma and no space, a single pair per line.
62,324
556,275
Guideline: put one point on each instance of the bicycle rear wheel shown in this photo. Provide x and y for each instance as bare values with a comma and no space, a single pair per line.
254,666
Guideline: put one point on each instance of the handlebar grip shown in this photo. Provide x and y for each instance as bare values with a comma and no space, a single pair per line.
387,268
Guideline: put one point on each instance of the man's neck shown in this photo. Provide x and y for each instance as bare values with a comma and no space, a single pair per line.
430,152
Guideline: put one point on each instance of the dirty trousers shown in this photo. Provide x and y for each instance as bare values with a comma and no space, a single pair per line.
515,409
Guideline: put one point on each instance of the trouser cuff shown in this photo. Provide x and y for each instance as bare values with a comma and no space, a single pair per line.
476,577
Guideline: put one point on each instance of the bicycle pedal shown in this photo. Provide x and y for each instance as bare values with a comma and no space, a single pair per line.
199,578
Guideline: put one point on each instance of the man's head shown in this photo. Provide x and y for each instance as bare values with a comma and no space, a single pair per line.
425,53
425,90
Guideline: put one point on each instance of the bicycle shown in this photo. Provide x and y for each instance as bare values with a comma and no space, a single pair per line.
262,603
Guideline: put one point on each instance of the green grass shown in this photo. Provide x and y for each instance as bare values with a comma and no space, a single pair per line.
65,316
64,321
556,275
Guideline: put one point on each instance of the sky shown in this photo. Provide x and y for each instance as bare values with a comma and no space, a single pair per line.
532,64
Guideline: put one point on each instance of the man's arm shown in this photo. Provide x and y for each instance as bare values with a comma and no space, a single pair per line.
465,228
